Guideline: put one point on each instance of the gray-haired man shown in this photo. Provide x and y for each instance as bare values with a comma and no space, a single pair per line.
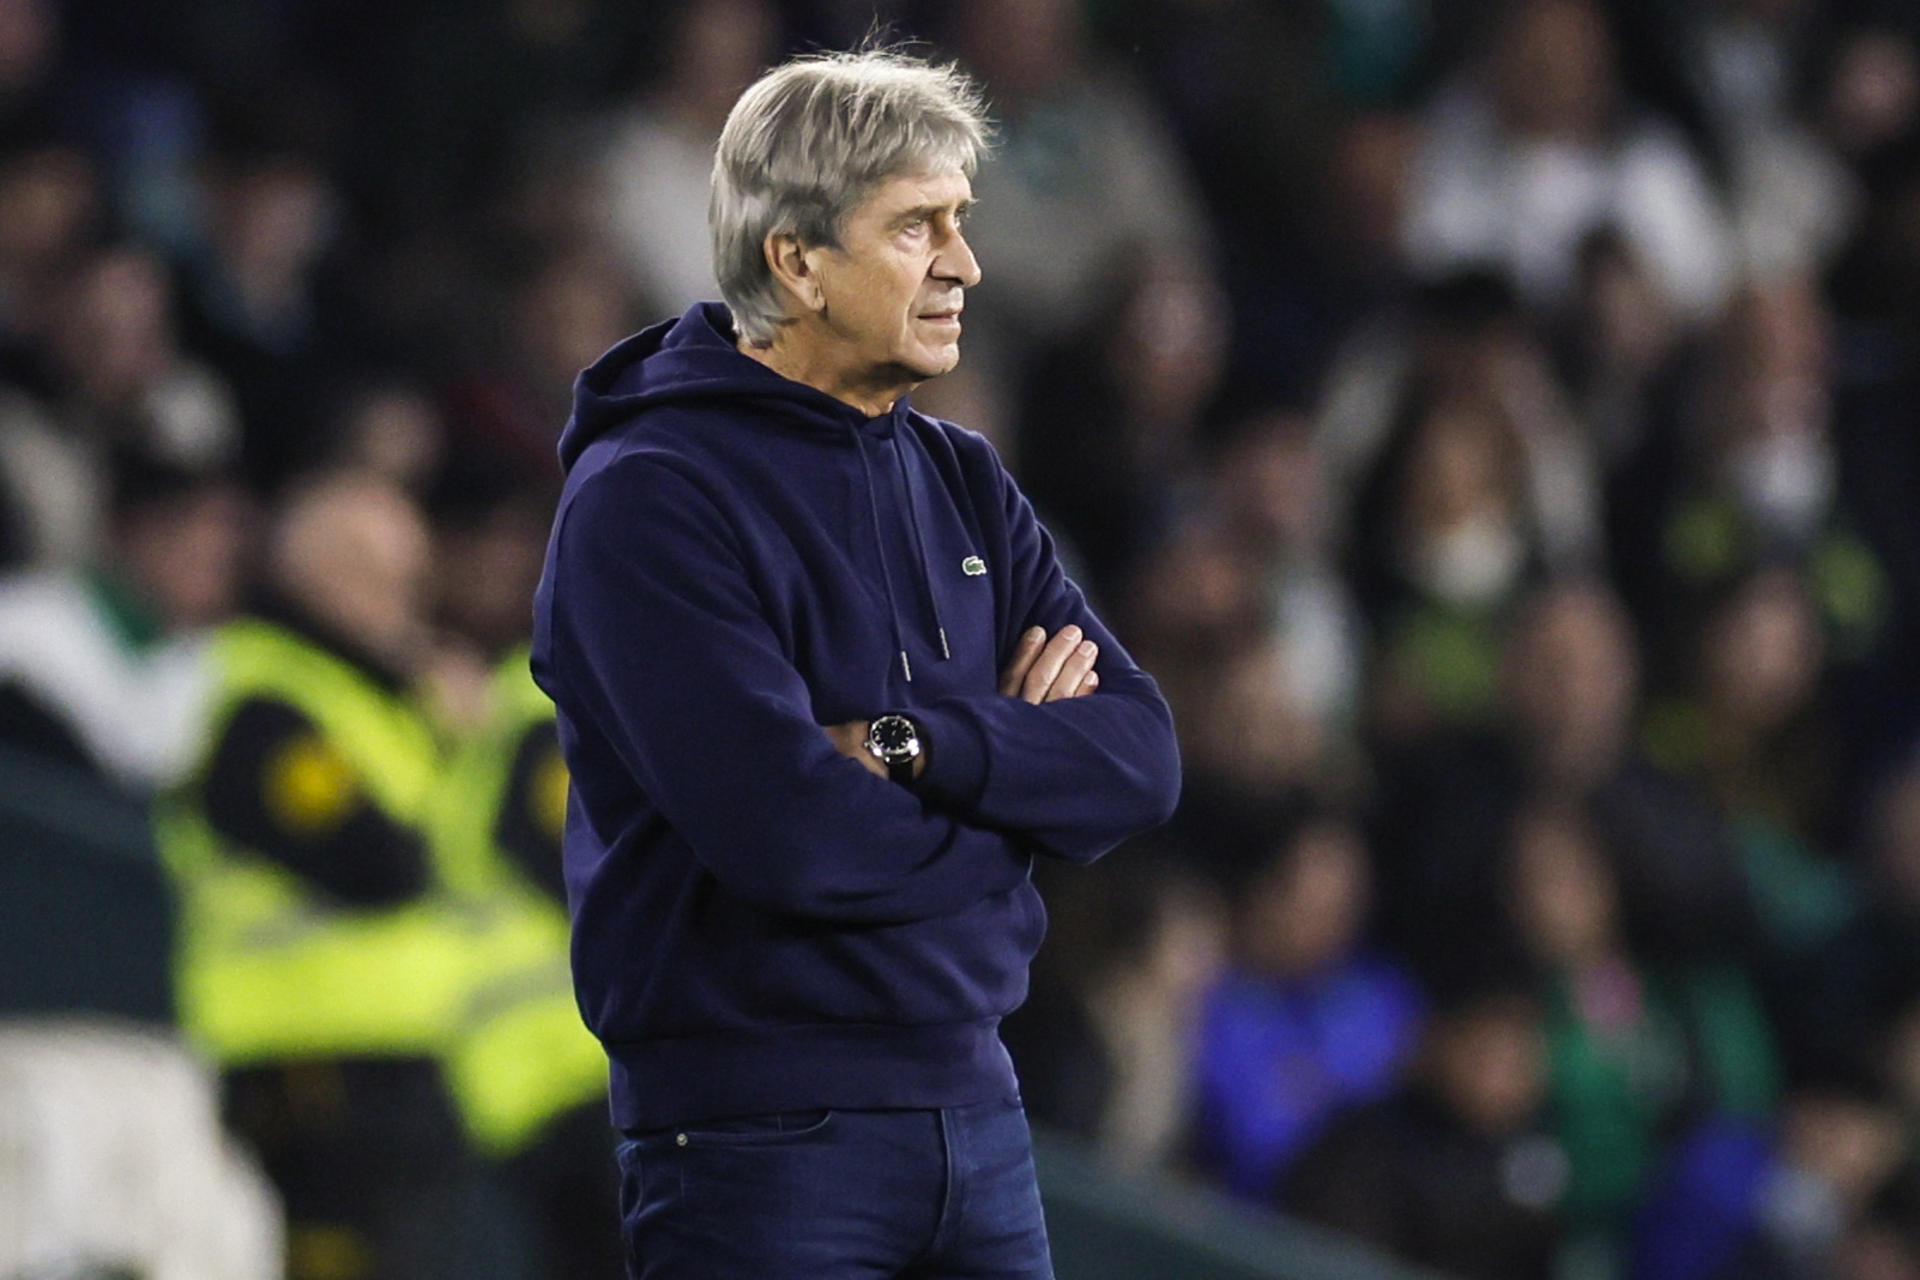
825,694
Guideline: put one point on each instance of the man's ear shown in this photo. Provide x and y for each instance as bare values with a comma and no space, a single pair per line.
792,266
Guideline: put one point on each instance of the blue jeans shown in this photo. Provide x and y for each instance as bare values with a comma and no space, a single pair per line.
836,1195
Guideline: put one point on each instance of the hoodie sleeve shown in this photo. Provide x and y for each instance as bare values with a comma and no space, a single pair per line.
660,640
1077,776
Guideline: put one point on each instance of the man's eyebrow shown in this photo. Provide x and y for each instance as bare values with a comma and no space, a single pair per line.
905,216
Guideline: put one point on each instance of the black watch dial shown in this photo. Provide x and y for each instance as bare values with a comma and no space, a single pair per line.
893,736
895,742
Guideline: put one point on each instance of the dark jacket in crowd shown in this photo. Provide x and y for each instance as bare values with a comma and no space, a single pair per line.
1408,1175
761,924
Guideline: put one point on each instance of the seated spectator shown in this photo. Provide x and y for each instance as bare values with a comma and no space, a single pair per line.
1740,1200
565,307
1636,1050
1085,172
1748,64
1464,337
1566,729
1106,1043
1450,546
253,302
1534,148
120,366
1309,1020
659,153
1109,431
1761,482
1193,612
1456,1171
1846,994
103,370
1756,736
49,207
389,427
106,667
1268,478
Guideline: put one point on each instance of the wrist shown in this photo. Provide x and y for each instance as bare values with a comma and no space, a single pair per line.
956,774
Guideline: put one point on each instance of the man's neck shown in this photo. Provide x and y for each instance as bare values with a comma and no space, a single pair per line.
791,356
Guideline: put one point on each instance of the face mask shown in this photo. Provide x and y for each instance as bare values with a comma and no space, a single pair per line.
1784,481
1473,563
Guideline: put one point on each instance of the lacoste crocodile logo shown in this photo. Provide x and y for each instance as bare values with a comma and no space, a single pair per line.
973,566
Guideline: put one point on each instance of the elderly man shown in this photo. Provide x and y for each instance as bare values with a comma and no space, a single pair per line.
824,692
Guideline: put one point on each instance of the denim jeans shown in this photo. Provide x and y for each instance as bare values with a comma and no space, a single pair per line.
836,1195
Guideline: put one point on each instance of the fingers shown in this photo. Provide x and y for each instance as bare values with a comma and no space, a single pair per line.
1022,661
1046,665
1062,664
1074,672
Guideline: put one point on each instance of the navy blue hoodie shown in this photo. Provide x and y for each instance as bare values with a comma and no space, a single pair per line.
759,923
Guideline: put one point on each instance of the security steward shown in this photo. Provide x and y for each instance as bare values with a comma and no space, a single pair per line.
530,1080
320,963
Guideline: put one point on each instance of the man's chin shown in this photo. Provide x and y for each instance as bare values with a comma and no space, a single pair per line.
934,361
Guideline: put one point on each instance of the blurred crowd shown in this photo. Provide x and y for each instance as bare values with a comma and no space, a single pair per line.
1495,422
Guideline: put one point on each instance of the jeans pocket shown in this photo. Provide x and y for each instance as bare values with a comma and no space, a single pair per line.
755,1131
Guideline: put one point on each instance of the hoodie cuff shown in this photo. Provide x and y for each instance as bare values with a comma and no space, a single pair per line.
956,770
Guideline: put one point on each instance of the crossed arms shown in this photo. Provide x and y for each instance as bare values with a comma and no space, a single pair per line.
1041,670
668,660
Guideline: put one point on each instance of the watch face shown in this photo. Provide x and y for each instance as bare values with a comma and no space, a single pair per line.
893,736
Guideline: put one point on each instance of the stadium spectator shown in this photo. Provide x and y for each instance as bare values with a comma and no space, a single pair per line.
105,667
254,306
1536,146
1084,174
122,374
1637,1051
1566,731
1761,481
1309,1021
1106,1042
1109,430
557,312
659,152
1798,1199
1268,480
529,1080
1456,1171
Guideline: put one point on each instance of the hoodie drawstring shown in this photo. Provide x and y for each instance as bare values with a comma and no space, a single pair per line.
919,550
880,546
920,546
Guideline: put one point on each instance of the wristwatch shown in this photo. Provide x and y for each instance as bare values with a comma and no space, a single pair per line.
894,741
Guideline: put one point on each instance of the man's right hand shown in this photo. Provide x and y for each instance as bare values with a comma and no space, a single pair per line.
1044,670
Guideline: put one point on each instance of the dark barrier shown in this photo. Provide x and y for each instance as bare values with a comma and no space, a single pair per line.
86,918
1107,1227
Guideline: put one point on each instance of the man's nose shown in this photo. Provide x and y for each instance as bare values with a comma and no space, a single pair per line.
955,261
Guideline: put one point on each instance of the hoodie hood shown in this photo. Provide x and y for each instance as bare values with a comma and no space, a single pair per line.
691,359
695,358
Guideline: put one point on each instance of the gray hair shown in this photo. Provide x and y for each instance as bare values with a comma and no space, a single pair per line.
809,140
